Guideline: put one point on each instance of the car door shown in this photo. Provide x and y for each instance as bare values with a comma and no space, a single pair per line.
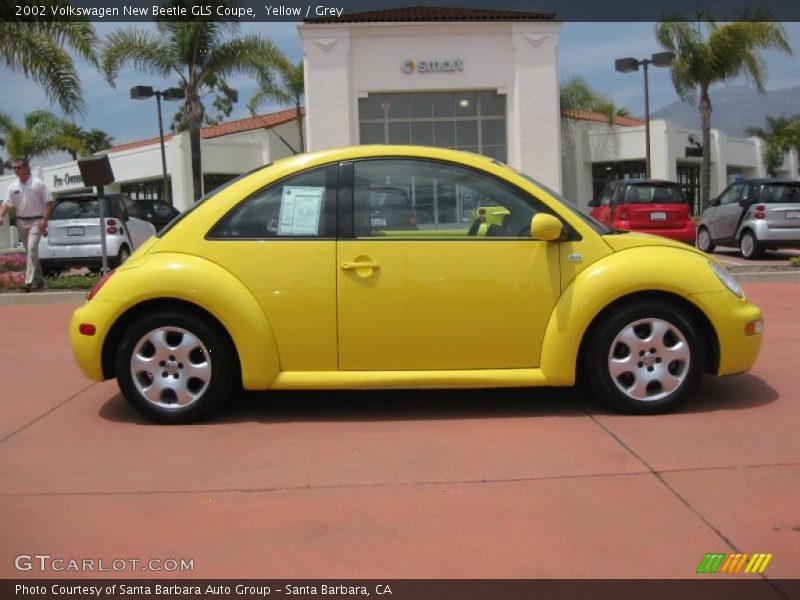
451,294
726,213
139,229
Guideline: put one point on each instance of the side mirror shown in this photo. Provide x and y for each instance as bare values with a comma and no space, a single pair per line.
545,227
594,203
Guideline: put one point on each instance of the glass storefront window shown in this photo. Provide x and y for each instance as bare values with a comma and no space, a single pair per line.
465,120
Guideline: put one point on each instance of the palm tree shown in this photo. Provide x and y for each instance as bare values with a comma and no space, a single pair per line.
781,135
197,53
576,94
79,142
37,49
725,52
283,84
41,134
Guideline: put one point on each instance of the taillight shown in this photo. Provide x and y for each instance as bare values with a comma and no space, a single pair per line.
100,283
111,230
760,207
111,226
760,214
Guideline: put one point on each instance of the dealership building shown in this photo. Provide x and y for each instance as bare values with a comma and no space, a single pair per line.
479,80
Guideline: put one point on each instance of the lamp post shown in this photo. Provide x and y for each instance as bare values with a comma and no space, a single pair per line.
627,65
142,92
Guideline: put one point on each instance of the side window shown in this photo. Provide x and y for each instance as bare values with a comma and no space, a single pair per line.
418,198
134,210
301,206
731,195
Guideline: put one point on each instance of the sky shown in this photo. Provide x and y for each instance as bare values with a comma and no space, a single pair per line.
585,49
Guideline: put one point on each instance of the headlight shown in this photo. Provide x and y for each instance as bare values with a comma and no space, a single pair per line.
727,279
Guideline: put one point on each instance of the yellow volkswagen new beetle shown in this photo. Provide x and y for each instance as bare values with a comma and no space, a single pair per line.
406,267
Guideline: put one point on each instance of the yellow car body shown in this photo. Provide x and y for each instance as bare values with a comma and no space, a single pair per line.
404,308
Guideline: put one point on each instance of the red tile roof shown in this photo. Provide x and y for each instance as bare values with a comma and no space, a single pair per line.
585,115
435,13
267,121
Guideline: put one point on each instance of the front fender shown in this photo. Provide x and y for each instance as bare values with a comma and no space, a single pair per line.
195,280
663,269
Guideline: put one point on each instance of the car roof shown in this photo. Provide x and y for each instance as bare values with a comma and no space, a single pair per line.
87,196
767,180
646,181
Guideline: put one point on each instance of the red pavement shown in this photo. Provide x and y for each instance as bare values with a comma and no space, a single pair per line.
450,484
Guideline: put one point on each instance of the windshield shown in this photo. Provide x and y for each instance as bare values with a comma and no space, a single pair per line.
652,193
590,221
83,208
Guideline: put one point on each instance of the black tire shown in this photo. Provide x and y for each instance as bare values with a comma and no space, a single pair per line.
749,246
704,241
124,254
637,384
49,271
190,356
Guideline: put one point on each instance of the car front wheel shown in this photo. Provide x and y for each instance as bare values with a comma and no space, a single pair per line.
175,367
643,359
704,242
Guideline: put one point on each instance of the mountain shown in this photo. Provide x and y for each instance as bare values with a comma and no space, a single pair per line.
734,109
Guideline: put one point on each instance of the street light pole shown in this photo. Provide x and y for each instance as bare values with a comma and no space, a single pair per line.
167,194
141,92
646,121
627,65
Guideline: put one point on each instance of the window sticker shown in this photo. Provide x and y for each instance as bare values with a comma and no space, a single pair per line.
301,208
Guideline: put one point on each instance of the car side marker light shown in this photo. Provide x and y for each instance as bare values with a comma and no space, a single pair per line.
754,327
87,329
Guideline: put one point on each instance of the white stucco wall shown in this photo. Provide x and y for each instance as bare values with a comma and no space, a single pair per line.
517,60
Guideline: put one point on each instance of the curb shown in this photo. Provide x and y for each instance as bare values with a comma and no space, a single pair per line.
19,299
768,276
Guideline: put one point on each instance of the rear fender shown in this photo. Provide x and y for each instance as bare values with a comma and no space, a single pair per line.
208,286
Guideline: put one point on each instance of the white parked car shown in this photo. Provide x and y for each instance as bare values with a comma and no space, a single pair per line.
73,232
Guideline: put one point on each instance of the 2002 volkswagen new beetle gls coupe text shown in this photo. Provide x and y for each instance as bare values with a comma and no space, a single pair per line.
293,276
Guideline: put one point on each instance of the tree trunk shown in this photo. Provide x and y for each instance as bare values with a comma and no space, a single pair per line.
705,166
195,115
300,126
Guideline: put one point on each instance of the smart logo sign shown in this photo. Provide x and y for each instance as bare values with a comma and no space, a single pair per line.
734,563
432,66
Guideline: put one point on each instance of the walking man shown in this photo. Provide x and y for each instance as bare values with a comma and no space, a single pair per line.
33,203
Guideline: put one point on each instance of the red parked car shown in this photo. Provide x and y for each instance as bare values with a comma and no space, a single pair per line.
645,205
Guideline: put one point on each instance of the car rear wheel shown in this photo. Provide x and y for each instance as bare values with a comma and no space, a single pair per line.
643,359
175,367
704,242
751,248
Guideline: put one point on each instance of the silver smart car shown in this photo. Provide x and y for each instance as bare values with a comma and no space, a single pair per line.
73,232
755,215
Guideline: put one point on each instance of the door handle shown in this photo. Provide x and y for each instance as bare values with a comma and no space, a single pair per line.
352,266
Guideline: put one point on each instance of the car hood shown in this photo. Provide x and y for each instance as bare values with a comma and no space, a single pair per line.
624,241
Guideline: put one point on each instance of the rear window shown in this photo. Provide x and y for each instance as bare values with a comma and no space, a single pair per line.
647,193
79,209
788,192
